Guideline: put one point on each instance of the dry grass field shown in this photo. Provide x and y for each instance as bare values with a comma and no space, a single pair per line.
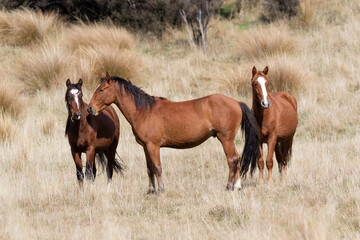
316,57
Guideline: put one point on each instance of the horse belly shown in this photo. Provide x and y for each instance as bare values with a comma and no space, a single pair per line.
187,138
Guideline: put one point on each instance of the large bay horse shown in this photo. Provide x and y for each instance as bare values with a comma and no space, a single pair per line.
91,134
276,114
157,122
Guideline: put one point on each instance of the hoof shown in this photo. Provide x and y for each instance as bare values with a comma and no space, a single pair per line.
238,184
261,182
229,187
150,191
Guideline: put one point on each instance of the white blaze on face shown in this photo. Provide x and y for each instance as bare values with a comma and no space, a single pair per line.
75,92
262,82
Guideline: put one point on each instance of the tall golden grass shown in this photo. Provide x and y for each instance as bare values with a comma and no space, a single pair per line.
44,68
95,62
84,36
23,27
12,102
267,40
39,195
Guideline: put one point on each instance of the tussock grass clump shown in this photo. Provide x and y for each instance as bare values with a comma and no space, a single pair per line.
11,101
286,73
85,36
235,80
95,62
43,68
262,41
6,127
23,27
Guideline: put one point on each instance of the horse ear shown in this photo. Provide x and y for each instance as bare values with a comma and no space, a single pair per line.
108,78
266,70
80,82
68,83
254,71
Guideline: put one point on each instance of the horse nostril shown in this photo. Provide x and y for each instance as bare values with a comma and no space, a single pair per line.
262,103
89,109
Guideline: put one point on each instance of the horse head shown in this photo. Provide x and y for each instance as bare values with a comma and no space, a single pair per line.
73,99
259,83
104,95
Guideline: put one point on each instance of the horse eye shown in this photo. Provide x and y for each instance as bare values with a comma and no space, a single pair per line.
101,90
255,84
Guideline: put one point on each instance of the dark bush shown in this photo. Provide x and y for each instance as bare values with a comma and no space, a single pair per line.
276,9
146,15
231,9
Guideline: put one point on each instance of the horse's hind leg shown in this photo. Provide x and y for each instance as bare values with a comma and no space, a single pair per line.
110,155
233,159
286,152
78,164
279,157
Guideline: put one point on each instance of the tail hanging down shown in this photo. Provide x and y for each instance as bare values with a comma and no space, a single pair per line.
252,131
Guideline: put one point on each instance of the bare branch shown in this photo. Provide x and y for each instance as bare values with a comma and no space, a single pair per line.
183,15
201,30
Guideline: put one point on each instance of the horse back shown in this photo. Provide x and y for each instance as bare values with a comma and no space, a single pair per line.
285,99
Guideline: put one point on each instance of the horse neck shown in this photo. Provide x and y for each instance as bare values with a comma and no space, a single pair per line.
258,110
126,104
82,123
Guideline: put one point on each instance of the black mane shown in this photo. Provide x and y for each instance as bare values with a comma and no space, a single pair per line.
67,126
142,100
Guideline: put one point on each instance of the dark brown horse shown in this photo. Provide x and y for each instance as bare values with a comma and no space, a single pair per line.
157,122
91,134
276,114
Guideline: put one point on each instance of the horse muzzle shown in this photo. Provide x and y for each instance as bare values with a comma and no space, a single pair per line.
264,105
92,111
76,116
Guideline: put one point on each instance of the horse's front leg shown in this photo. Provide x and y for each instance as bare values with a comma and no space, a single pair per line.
90,157
261,165
154,154
150,171
269,157
77,159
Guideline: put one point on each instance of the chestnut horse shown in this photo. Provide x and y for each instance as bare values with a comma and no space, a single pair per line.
91,135
276,114
157,122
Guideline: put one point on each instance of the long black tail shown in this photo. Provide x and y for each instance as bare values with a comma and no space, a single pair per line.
118,167
252,131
